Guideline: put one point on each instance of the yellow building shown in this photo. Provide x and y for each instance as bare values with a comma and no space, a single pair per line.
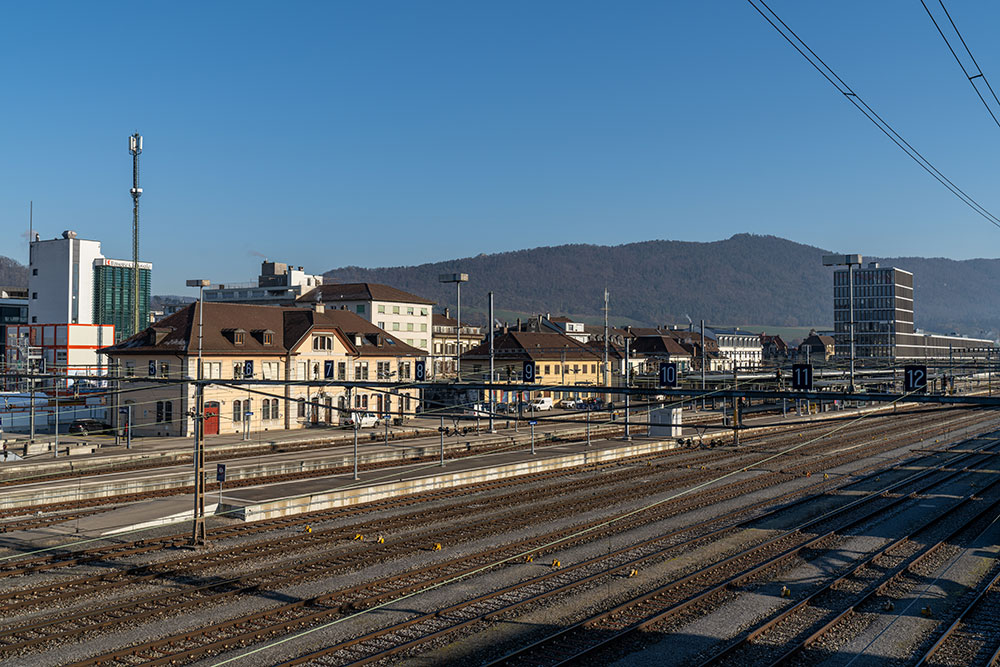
559,360
266,343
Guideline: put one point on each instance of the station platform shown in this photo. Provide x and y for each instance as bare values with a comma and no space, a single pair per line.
512,457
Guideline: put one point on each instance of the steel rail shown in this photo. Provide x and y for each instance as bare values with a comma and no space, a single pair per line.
568,638
871,590
57,560
437,618
469,564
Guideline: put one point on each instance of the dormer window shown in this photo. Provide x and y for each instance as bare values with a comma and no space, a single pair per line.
264,336
235,336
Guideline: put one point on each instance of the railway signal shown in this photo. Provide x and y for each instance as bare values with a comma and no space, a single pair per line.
420,370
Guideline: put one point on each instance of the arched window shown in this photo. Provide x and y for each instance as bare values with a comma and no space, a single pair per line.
237,411
168,411
274,409
265,409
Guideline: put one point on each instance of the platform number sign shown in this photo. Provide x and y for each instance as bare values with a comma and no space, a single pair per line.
802,377
248,368
420,370
528,371
328,370
914,378
668,374
152,369
220,472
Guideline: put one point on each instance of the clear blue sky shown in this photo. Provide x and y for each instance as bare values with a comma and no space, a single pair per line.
387,133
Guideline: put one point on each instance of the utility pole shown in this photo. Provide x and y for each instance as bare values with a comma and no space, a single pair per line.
628,433
117,400
135,148
606,383
199,533
492,376
55,447
736,407
703,384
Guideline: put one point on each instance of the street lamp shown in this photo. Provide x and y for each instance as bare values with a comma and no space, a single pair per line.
849,261
458,279
198,533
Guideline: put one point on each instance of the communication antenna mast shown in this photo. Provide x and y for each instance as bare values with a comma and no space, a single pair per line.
135,148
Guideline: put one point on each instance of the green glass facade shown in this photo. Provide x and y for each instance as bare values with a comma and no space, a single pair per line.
113,298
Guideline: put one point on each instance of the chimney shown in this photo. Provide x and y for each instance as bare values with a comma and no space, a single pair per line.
318,307
447,312
518,324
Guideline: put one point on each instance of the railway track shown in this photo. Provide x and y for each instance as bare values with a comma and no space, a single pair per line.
389,642
699,460
793,630
339,603
973,638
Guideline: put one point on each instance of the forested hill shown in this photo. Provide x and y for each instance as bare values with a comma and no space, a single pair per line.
12,273
746,279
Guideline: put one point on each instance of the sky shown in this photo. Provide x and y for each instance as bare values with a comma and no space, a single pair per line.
392,133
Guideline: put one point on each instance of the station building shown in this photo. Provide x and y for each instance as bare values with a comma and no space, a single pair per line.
272,343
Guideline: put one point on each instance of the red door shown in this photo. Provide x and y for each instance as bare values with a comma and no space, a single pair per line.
212,418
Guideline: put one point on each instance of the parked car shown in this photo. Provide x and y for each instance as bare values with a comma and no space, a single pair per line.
88,427
540,404
365,419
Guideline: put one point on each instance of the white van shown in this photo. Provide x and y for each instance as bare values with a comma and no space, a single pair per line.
365,419
540,404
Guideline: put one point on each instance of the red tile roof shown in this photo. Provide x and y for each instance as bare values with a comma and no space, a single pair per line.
178,333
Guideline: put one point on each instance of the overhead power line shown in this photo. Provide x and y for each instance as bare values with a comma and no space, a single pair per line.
973,75
771,17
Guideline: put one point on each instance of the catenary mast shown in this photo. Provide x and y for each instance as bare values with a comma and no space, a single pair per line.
135,148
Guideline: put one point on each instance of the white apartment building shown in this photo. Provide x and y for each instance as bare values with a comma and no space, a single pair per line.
405,315
61,279
277,284
740,347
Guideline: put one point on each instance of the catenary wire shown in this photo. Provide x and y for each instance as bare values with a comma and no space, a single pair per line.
979,71
799,45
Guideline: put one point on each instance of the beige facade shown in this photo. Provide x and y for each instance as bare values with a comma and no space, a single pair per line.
279,346
399,313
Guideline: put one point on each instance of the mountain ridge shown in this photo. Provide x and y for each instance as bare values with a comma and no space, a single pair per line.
745,278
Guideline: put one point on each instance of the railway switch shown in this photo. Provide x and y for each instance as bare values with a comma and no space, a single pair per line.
786,592
309,529
437,546
633,572
529,558
359,536
381,540
926,611
556,563
888,606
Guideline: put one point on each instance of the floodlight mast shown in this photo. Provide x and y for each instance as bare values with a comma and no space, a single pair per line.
849,261
135,148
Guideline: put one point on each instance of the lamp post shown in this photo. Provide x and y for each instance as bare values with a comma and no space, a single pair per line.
458,279
198,532
849,261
